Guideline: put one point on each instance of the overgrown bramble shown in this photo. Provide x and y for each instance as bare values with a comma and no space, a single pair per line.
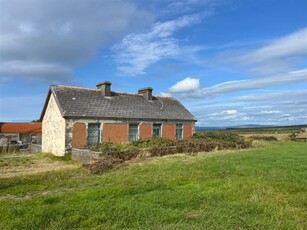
264,138
114,154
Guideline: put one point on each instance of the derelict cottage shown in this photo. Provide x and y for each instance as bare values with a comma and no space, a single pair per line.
76,117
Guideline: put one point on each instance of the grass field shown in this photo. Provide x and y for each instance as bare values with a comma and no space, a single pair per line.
261,188
279,132
267,130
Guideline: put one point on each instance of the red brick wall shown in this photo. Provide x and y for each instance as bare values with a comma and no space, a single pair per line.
168,130
115,132
145,130
79,135
187,130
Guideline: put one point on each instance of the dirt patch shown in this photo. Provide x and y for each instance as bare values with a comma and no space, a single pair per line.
302,135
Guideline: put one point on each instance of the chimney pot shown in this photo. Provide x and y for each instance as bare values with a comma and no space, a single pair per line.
105,88
147,93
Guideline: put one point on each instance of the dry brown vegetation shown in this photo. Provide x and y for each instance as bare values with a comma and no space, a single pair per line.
12,165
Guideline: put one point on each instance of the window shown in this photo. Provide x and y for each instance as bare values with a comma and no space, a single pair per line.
93,133
178,131
133,132
156,130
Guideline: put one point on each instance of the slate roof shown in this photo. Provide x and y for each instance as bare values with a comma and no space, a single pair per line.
76,102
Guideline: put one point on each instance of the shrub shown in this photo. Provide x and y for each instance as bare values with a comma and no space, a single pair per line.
264,138
154,141
102,164
115,154
218,135
120,151
198,145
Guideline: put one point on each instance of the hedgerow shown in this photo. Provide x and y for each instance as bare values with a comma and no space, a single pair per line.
264,138
114,154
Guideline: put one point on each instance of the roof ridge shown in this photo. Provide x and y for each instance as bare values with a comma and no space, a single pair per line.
76,87
117,92
85,88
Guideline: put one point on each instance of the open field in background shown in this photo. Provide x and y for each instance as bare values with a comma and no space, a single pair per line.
268,130
259,188
281,133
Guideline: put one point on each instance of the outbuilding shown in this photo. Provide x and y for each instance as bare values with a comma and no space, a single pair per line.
20,133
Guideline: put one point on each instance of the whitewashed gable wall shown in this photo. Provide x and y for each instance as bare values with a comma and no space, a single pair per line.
53,129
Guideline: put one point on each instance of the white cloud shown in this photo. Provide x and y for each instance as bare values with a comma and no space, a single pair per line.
44,40
230,112
280,55
223,113
185,85
285,107
291,45
254,83
137,51
178,7
281,96
270,112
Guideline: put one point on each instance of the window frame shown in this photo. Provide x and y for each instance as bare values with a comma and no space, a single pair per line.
135,136
179,129
99,133
159,126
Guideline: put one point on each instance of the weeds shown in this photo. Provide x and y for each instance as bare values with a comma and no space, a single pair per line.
119,153
102,164
264,138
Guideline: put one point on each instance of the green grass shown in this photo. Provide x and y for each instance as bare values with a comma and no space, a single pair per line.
261,188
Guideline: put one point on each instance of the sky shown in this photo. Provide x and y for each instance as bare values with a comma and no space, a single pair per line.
230,62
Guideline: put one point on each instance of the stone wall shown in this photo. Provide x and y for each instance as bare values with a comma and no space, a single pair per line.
35,148
83,154
53,129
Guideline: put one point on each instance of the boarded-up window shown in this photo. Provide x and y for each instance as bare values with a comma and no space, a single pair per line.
133,132
187,130
79,135
93,133
145,130
115,132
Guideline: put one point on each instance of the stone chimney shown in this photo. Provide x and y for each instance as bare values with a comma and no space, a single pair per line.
105,88
147,93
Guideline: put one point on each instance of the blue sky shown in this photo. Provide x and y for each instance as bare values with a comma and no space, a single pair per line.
230,62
